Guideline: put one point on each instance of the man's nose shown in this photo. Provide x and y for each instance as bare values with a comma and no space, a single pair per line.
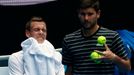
41,31
86,17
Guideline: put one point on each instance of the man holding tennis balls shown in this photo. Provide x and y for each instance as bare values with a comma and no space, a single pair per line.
78,45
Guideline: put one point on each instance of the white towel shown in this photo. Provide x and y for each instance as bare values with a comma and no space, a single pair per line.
41,59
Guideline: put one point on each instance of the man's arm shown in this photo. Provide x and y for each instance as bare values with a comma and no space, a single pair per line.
123,64
68,70
15,64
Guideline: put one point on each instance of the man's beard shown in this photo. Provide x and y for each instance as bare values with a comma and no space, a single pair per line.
88,26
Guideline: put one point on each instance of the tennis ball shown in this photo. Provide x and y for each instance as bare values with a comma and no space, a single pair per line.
101,40
95,55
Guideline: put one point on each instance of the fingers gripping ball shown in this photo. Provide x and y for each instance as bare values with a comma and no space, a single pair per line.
94,56
101,40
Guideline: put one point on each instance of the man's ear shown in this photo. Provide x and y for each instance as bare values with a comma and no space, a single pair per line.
27,33
99,12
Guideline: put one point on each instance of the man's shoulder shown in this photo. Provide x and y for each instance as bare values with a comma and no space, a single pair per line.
75,33
18,54
107,30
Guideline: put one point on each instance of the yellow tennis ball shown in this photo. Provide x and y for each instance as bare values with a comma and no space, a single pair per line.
95,55
101,40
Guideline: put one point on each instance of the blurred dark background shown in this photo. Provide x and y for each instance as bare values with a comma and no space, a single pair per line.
61,18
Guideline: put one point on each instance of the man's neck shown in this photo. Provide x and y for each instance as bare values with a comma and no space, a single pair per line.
91,31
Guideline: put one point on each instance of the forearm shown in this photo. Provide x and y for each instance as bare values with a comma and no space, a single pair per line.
122,63
69,70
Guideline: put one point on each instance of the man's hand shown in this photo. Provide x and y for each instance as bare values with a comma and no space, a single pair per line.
107,54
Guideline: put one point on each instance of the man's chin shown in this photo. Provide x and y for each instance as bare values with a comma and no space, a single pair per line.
41,40
86,27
